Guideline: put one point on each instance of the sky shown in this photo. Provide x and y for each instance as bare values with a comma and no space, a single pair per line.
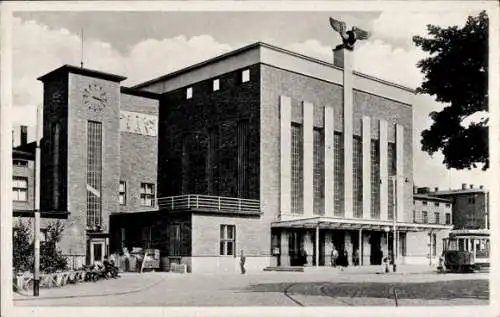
144,45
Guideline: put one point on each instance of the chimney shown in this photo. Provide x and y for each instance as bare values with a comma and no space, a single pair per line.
24,135
436,189
464,186
471,186
481,187
423,190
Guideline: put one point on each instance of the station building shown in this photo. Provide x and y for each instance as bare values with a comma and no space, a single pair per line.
261,150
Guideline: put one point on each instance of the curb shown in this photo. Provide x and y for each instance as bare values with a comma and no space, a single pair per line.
136,290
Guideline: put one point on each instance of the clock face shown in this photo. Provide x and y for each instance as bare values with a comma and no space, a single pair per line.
94,97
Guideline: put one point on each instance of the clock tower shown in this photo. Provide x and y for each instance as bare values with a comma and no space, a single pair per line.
81,155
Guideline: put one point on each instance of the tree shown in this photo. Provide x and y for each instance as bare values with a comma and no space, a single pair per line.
22,247
456,73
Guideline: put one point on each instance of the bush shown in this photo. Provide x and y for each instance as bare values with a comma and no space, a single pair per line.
51,259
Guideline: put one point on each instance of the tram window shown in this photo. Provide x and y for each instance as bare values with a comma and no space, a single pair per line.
461,244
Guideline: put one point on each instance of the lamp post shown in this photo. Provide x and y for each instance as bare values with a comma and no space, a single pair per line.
387,229
36,269
394,217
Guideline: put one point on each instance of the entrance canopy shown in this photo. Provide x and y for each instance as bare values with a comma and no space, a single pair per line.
356,224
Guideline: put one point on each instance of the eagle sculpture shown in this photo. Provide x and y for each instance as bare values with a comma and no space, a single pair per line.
349,37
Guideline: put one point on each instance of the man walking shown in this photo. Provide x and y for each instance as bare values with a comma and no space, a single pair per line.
242,262
335,256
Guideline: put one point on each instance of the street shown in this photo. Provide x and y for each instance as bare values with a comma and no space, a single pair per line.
323,288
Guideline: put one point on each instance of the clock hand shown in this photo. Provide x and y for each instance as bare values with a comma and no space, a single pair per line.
93,97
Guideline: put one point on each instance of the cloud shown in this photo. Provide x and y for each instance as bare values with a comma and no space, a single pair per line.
38,49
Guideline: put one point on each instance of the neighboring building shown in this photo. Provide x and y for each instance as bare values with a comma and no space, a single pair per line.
470,206
260,150
431,210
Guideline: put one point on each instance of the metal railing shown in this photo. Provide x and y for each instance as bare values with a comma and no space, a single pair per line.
209,203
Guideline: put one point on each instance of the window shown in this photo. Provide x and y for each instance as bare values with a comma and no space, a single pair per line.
414,216
20,189
20,163
245,75
243,159
448,218
357,177
123,193
472,201
375,179
216,84
338,171
424,203
297,170
227,239
44,235
436,204
424,216
318,171
434,243
391,170
448,205
189,93
147,194
436,217
94,173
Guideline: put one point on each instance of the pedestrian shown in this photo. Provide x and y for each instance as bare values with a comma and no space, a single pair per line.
242,262
355,257
335,256
303,256
346,259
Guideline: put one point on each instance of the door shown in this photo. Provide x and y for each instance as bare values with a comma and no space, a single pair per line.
295,241
97,251
375,248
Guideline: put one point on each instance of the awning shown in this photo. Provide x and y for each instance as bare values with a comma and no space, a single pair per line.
355,224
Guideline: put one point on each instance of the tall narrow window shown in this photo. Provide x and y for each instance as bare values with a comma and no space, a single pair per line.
448,218
436,217
434,244
56,165
424,217
318,177
216,85
123,193
357,177
243,158
339,174
20,188
94,173
227,239
147,194
375,179
391,169
297,169
189,93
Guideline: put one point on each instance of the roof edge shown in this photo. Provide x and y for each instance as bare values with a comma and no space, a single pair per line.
139,93
81,71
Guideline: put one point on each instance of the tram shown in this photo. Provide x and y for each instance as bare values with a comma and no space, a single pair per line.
466,250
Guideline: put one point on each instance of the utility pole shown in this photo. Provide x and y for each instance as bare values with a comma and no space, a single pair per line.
36,271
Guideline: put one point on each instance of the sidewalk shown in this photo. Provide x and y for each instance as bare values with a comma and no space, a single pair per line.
125,284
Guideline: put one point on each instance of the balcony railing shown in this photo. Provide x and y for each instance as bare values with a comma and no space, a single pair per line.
210,204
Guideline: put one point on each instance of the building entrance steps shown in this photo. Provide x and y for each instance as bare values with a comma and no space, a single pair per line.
364,269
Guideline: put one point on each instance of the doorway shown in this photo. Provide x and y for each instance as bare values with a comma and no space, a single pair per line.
97,250
375,248
295,244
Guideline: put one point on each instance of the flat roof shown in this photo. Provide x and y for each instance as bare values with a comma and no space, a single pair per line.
253,46
459,191
81,71
433,198
139,93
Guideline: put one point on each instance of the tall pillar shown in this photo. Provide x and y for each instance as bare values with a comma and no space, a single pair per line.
384,179
285,155
284,256
329,162
360,246
400,180
366,146
345,57
308,113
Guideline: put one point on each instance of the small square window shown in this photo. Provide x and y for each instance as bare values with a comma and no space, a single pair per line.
20,163
245,76
216,84
123,193
147,194
424,203
436,204
189,93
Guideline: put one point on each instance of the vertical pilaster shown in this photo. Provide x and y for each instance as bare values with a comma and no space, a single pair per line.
367,188
348,125
329,162
285,155
309,247
366,249
308,113
400,180
383,170
328,248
